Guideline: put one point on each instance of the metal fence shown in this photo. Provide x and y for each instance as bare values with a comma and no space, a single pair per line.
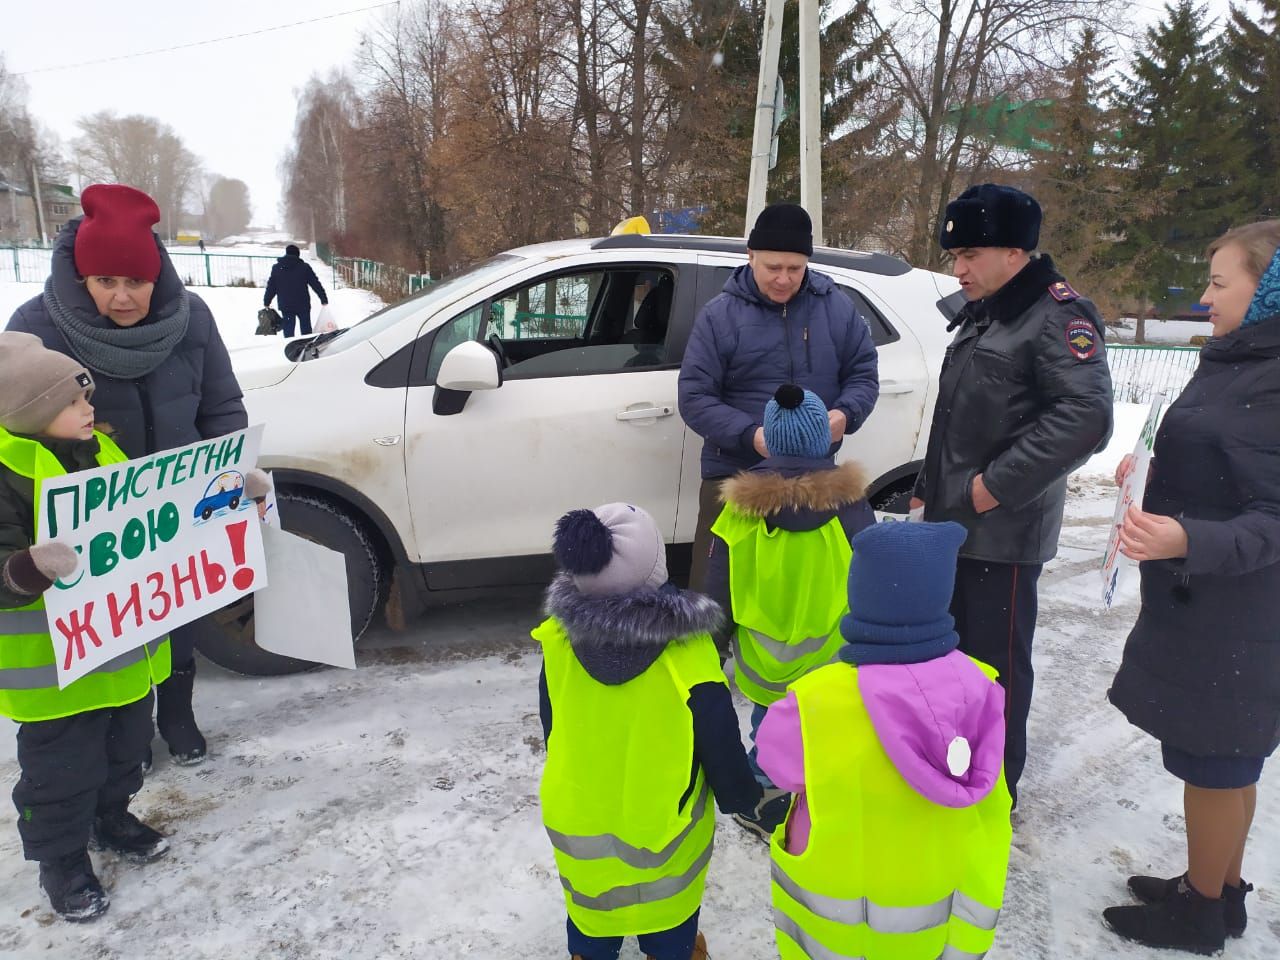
1139,372
374,275
32,264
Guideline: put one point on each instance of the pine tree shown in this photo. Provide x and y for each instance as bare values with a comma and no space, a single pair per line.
1181,136
1253,64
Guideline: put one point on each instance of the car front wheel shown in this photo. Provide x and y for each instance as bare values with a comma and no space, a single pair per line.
229,639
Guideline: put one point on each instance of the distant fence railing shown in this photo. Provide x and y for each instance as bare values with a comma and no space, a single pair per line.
1139,372
32,264
374,275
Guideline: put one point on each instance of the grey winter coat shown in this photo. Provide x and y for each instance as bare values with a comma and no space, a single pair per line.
743,347
1201,668
192,395
1024,398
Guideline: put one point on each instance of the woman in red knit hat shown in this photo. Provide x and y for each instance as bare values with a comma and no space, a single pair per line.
114,302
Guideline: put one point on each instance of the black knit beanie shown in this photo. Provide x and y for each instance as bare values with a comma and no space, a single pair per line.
783,228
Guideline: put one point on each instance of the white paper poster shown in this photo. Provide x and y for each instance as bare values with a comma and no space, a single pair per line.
1115,565
163,540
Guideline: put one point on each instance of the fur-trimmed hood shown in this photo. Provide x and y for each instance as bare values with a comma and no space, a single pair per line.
617,638
794,493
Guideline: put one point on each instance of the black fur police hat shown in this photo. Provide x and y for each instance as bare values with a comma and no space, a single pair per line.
991,215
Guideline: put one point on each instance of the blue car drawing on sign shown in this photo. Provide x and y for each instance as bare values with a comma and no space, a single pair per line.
225,490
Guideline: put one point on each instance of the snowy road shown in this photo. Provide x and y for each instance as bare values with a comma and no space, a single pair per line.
392,811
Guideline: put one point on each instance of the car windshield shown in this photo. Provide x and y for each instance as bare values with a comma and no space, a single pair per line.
422,302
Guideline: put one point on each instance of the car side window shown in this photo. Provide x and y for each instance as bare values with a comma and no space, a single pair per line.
881,331
596,321
458,330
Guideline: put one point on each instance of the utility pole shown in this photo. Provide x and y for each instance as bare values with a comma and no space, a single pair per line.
810,117
35,189
766,90
810,114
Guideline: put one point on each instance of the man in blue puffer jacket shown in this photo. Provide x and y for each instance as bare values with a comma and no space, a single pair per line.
775,322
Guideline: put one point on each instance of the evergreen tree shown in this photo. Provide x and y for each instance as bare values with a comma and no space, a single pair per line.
1181,137
1082,181
1253,64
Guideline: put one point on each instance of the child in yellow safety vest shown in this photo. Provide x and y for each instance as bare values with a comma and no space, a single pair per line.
779,562
641,737
80,748
897,844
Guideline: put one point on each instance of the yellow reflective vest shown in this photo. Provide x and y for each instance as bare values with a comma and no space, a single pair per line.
887,874
28,671
632,839
789,591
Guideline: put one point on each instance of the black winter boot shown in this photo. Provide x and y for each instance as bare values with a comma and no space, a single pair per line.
1234,916
119,830
1184,920
73,888
177,721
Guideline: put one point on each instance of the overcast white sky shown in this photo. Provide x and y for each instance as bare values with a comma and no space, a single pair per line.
232,102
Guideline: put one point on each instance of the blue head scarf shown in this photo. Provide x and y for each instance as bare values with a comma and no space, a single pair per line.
1266,302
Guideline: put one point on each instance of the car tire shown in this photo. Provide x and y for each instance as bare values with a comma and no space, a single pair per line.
230,640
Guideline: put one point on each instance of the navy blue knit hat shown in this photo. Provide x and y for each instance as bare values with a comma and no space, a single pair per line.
991,215
900,584
796,424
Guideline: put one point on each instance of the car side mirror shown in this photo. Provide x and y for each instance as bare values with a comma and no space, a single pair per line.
468,366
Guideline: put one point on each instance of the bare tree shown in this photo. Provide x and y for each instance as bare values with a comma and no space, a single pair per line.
143,153
227,209
314,167
942,60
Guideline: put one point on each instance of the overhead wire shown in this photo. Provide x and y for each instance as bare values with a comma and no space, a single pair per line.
203,43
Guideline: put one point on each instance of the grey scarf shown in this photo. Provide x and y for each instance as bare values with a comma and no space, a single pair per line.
125,353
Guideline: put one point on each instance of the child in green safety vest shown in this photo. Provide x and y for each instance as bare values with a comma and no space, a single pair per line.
80,749
779,561
642,738
897,844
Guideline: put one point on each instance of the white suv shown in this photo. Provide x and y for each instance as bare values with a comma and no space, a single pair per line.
436,443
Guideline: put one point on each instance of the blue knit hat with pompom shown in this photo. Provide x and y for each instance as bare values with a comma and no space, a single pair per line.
796,424
613,549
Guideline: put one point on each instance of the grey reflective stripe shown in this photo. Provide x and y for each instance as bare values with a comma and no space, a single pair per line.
29,678
607,845
971,911
37,678
811,947
788,652
888,919
15,623
955,953
636,893
740,664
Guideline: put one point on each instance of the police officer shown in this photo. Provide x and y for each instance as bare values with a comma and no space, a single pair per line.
1024,398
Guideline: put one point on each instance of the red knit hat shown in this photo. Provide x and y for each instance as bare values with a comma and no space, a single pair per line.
115,238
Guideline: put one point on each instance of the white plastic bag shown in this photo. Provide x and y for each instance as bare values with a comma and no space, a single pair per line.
325,322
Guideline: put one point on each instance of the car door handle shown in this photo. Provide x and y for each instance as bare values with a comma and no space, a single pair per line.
645,413
894,386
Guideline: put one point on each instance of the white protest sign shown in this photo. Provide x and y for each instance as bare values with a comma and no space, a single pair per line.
1115,565
163,540
305,612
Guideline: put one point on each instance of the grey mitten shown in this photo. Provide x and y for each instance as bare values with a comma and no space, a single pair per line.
32,571
257,484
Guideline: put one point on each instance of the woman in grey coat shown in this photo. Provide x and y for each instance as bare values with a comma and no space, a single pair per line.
114,302
1201,669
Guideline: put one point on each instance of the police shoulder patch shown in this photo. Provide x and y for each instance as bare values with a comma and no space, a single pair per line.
1062,292
1082,338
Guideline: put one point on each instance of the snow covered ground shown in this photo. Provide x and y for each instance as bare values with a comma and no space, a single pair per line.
235,309
392,811
1169,332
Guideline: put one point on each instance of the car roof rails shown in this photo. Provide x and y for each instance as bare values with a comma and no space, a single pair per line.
877,263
